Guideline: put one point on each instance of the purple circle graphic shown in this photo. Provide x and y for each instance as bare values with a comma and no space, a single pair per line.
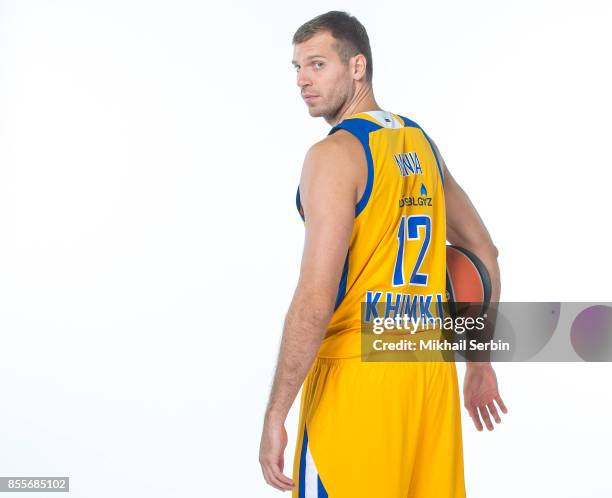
591,333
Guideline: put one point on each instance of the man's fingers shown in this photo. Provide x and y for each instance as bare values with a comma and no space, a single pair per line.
269,479
475,418
272,478
501,404
484,413
280,476
278,473
493,410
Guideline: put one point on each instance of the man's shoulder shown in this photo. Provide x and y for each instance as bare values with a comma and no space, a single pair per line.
339,145
333,158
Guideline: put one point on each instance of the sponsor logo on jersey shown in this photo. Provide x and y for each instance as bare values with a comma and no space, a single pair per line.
415,201
408,163
422,200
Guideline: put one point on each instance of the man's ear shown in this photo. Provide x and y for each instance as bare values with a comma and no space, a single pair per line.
358,66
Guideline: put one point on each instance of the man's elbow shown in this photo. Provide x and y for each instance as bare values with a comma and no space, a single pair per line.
486,249
490,250
313,307
493,250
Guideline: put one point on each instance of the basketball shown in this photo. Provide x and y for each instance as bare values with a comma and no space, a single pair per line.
467,281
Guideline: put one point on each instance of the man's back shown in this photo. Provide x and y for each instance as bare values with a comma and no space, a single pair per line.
396,262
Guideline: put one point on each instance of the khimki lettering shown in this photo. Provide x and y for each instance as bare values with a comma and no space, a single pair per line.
400,304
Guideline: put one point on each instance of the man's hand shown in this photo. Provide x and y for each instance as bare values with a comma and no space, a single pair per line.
271,455
479,394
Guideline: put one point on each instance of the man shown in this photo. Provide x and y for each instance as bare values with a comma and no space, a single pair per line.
370,429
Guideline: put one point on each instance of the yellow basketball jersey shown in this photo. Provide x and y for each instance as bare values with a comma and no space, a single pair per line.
396,262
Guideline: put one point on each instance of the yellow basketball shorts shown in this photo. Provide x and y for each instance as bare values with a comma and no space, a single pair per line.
379,430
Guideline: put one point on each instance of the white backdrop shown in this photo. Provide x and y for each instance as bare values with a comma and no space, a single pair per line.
149,242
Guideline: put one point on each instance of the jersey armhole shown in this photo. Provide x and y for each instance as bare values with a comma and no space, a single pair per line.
298,204
438,162
361,128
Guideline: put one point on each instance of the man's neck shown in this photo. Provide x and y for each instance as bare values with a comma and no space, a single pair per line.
361,102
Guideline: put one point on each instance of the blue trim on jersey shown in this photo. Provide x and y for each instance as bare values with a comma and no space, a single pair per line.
342,285
436,156
361,128
412,124
302,484
321,491
298,204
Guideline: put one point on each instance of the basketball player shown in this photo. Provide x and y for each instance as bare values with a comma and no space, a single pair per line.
370,429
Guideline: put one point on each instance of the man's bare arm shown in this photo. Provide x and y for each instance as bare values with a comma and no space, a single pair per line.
465,228
328,196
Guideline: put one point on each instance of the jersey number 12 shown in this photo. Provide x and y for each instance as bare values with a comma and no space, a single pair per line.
409,230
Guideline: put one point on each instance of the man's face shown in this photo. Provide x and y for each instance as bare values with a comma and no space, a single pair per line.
325,82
